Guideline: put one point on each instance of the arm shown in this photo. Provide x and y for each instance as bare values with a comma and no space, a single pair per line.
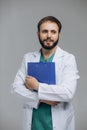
65,90
19,89
32,84
62,92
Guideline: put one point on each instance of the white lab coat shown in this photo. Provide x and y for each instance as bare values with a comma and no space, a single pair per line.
63,91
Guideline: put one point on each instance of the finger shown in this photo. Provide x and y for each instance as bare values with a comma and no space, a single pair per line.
27,76
26,79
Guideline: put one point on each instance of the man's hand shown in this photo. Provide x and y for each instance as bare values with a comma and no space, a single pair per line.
31,83
52,103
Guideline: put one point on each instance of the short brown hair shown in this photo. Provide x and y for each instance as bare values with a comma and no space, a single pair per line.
51,19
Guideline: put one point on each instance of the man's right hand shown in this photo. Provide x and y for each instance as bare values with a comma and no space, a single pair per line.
52,103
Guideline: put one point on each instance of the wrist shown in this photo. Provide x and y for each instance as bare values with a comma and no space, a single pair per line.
37,86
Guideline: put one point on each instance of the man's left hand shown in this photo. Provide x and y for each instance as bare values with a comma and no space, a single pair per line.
31,83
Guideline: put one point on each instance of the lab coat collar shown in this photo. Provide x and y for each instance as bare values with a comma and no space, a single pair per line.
59,53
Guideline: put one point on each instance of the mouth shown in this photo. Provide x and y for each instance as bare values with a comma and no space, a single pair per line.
48,40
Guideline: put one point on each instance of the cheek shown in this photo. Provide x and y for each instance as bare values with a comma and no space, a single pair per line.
56,37
42,37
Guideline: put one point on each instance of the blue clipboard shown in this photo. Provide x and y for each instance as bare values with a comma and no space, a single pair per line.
44,72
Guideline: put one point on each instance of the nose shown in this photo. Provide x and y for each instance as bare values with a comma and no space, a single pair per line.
48,34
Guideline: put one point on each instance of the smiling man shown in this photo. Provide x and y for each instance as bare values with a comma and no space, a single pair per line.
48,35
48,106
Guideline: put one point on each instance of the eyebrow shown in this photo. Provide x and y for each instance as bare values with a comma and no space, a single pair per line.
45,30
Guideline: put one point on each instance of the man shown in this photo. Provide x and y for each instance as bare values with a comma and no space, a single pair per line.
49,108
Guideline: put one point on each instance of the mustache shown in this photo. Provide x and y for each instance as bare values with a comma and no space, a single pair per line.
48,40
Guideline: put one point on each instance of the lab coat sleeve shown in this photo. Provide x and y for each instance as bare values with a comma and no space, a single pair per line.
19,89
65,90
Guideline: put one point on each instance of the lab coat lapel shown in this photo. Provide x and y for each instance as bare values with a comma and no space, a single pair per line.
36,56
58,59
58,54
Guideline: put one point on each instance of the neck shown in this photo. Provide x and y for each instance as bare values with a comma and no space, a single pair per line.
48,53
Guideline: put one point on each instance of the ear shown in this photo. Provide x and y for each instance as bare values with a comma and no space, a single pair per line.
38,33
59,34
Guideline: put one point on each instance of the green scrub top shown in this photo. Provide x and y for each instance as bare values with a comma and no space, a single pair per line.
41,117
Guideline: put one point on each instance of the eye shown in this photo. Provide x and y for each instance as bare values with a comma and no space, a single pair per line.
53,31
44,31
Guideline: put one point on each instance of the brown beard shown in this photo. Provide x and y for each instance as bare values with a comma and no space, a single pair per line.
48,47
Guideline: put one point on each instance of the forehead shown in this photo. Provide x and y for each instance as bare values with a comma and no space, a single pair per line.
49,26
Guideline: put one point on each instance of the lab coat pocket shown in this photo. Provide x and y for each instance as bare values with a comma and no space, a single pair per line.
70,120
27,117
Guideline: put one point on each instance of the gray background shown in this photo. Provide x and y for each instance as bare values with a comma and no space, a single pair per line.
18,27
